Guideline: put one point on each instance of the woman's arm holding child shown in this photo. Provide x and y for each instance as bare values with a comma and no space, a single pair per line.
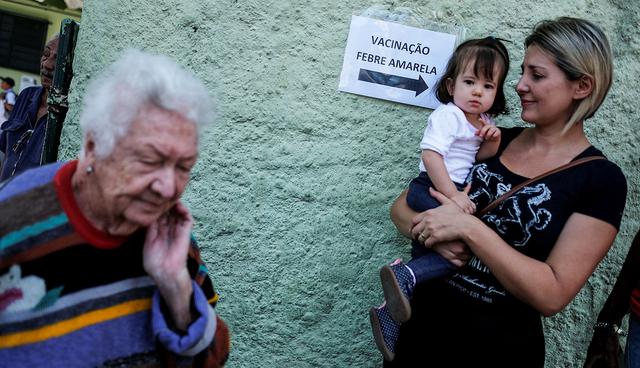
402,216
548,285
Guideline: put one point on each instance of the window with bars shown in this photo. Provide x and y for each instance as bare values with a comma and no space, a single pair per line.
21,42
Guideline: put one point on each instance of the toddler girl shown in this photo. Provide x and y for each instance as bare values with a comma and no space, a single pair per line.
458,133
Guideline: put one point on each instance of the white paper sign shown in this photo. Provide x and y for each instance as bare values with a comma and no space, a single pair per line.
394,62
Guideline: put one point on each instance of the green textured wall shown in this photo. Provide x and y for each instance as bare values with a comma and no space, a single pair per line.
292,191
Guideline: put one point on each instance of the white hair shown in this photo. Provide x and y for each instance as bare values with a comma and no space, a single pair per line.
135,81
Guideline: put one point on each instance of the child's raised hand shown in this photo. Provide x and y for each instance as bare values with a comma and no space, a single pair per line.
488,132
462,200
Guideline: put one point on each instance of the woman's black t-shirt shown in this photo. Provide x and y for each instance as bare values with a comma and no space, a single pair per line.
531,220
469,314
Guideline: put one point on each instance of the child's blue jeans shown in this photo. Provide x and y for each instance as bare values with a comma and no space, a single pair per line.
425,263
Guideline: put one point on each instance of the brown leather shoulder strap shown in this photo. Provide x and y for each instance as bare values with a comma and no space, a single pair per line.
508,194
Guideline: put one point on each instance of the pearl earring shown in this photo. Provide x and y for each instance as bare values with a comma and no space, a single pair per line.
89,169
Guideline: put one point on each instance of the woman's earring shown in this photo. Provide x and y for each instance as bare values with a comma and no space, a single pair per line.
89,169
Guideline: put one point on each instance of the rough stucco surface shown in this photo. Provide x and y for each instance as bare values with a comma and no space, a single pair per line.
292,191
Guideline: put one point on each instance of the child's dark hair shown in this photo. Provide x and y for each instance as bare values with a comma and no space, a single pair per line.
485,52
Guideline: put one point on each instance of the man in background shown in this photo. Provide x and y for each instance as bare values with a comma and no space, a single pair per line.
22,137
8,97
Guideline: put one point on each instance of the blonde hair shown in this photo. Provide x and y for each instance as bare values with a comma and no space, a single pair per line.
580,49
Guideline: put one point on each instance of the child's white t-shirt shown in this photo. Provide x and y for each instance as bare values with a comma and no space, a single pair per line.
450,134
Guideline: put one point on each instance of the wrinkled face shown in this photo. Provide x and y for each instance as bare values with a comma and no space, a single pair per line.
149,167
48,62
546,95
471,93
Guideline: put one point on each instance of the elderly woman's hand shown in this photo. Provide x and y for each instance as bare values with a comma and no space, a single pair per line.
165,254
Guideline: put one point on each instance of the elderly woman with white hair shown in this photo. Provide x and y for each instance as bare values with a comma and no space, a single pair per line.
97,263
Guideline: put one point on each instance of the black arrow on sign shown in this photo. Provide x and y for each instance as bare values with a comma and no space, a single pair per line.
396,81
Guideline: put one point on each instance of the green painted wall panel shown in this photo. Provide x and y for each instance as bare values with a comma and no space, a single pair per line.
292,191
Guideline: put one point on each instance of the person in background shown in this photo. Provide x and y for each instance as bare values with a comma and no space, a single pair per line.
604,349
8,97
7,100
22,138
98,266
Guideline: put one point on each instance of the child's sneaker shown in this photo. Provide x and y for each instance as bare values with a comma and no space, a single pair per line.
385,331
397,284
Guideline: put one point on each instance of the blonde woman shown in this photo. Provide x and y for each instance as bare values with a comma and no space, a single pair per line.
530,255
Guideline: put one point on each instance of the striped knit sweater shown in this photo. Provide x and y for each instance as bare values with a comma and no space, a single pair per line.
73,296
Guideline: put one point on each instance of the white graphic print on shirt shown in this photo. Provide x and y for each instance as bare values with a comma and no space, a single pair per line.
519,221
514,219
